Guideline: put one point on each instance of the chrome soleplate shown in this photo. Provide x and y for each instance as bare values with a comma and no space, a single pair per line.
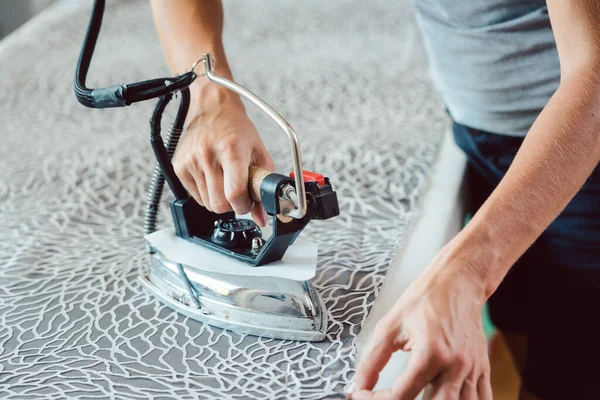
263,306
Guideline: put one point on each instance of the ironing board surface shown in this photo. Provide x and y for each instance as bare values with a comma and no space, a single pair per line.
350,76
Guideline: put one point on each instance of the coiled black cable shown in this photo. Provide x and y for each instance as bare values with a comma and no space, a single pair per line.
160,152
158,180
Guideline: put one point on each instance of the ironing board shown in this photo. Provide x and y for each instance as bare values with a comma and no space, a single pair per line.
351,77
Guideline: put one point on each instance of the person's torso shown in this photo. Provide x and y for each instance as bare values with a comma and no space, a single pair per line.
494,61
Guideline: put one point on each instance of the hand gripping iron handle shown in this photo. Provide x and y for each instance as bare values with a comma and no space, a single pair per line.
261,184
299,192
292,200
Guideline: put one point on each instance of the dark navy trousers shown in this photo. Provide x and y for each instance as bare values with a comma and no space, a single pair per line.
552,293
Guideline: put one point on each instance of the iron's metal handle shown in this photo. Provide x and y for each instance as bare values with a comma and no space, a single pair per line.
300,198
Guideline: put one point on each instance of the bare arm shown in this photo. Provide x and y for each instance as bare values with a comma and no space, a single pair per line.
187,29
221,142
438,318
558,155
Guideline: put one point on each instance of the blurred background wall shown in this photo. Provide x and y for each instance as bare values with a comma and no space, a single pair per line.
13,13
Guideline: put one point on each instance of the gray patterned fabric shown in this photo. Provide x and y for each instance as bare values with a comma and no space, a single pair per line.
351,78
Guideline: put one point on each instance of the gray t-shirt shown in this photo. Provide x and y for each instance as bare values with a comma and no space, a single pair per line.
494,61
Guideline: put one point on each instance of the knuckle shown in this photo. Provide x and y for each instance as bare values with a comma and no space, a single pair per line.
201,161
471,381
268,163
453,391
447,391
439,354
383,329
486,370
228,145
220,207
236,191
179,167
196,196
461,361
202,154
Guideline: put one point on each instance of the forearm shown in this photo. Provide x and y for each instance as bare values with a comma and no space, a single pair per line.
187,29
558,155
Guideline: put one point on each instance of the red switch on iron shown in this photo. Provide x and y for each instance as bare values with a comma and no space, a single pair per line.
311,177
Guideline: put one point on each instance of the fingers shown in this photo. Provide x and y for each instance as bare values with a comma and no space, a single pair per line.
214,184
376,357
462,380
421,369
262,158
452,384
259,215
213,160
419,372
369,395
484,387
449,384
189,182
200,181
469,387
235,176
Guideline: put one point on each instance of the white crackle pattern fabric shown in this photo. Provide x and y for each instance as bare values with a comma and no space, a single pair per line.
351,78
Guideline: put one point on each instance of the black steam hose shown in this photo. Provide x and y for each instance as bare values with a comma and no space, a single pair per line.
121,95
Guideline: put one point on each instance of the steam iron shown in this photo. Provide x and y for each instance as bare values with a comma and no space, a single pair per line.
266,306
